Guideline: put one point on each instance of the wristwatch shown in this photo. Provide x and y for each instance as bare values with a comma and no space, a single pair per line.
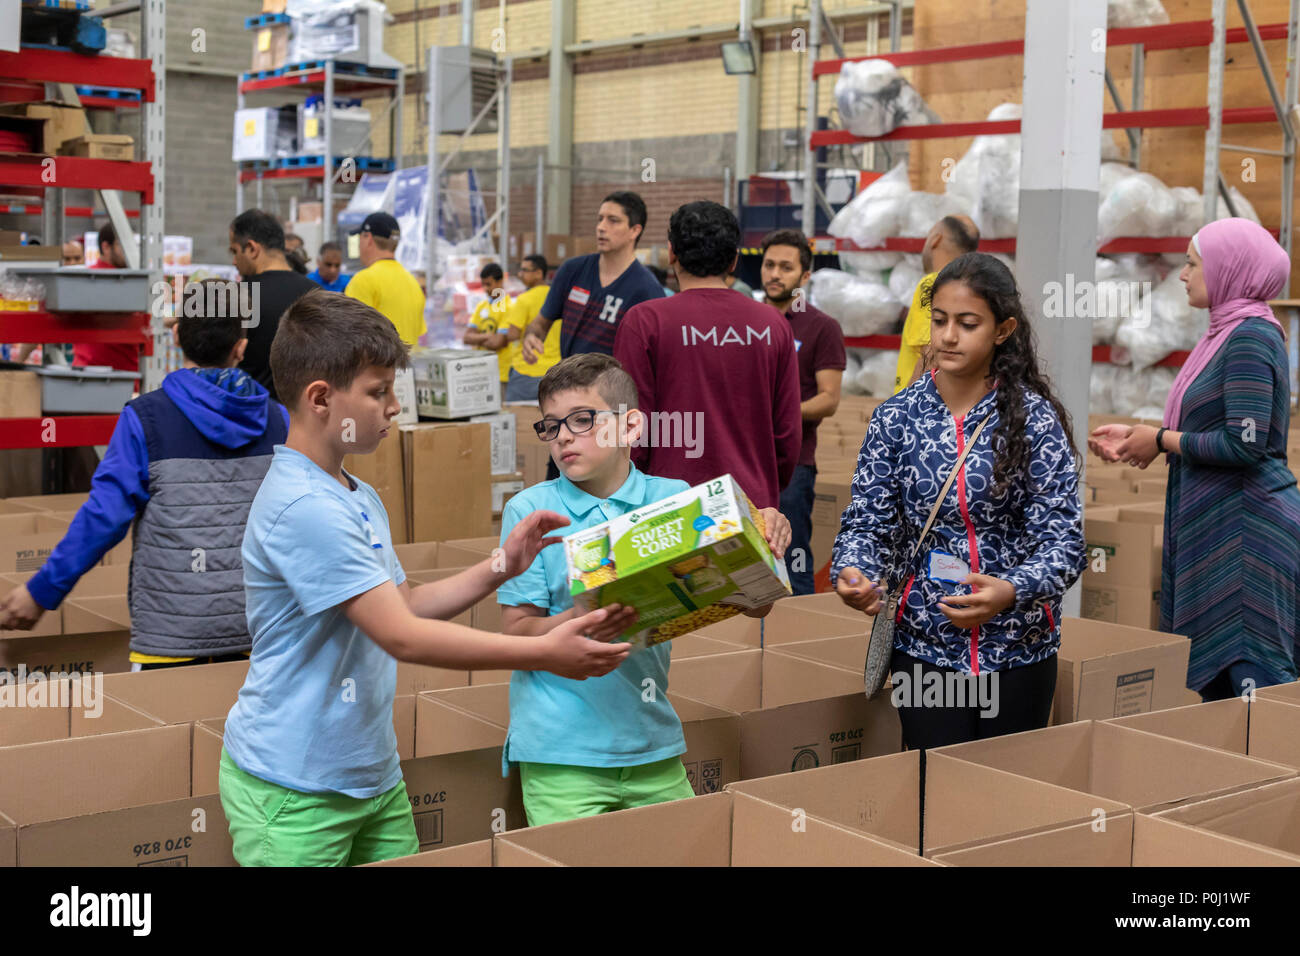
1160,438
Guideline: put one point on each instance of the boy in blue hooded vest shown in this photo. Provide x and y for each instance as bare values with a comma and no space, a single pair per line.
183,466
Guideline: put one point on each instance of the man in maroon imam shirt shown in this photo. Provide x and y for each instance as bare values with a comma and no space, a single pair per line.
819,344
716,371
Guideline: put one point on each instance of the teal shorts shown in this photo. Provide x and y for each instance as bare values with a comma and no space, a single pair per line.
555,792
272,825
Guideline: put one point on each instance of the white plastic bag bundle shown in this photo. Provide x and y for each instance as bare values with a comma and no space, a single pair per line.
1138,205
1167,324
860,306
1135,13
1191,211
874,99
902,282
987,178
876,376
926,209
877,212
1100,389
1115,301
852,366
869,264
1109,175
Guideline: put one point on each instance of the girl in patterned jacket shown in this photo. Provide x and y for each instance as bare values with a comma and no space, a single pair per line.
978,625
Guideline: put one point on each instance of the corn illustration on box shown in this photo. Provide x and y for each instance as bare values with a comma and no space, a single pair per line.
684,562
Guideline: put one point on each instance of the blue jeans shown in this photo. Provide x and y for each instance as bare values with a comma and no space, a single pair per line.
796,505
522,388
1232,681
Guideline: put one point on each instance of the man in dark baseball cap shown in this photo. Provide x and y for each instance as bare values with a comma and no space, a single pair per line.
379,224
383,283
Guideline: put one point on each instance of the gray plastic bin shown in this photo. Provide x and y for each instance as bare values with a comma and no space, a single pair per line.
82,289
94,390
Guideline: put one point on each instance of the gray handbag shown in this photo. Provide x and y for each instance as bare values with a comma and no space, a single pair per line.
881,645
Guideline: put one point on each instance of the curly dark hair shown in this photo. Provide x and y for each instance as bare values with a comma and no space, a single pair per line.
705,237
1014,363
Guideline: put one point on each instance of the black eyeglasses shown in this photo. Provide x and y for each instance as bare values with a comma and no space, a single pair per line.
578,421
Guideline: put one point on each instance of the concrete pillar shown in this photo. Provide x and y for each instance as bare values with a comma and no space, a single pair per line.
559,146
1060,160
747,101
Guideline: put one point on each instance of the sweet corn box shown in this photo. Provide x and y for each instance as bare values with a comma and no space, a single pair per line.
684,562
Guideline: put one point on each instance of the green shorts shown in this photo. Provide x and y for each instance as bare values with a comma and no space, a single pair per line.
275,826
555,792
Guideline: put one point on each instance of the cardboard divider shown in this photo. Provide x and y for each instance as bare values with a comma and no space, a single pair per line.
696,644
106,580
741,630
825,603
848,652
404,725
1110,670
181,695
93,615
8,842
1078,844
41,710
1285,693
414,678
478,853
1145,771
206,756
786,624
731,681
1158,841
1267,817
104,652
882,797
111,800
1221,724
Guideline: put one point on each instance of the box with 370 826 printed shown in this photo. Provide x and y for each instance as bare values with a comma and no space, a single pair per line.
684,562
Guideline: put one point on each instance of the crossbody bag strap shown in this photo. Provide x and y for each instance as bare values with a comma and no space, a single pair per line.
947,485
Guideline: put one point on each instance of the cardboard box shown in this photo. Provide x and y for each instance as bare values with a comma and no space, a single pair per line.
697,832
503,441
740,630
20,394
270,47
383,471
39,710
1076,844
454,782
101,146
558,248
26,540
105,580
1159,841
532,461
1145,771
415,678
683,562
1134,607
106,652
891,800
503,489
1286,693
448,481
1110,670
60,122
789,623
469,854
1121,553
59,503
795,713
1264,819
111,800
183,694
831,495
696,644
457,383
1263,729
824,603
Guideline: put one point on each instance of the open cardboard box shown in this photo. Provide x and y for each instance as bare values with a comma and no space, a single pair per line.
789,623
1286,693
105,580
66,502
478,853
181,695
1265,818
1264,729
964,803
697,832
40,710
1158,841
794,713
93,615
26,540
1145,771
448,480
712,734
111,800
1111,670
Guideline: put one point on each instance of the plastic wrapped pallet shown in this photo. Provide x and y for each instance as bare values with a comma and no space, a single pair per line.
860,306
1132,392
987,178
1137,205
1169,324
925,209
877,212
1135,13
852,366
869,264
873,99
1100,388
903,279
876,376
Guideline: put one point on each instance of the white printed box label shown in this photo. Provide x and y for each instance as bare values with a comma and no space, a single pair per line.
1133,692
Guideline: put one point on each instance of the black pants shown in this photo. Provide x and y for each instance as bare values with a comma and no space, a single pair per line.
796,505
198,660
939,706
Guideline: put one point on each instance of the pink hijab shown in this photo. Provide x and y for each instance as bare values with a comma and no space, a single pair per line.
1244,267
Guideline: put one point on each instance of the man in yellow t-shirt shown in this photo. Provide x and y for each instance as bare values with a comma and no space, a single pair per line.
383,283
525,376
952,236
486,330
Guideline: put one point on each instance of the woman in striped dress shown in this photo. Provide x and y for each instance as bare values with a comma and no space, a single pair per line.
1231,578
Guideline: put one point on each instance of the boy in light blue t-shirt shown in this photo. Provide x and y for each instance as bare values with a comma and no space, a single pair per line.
603,744
310,772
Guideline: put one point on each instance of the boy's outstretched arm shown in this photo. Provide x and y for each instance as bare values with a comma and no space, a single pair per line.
529,619
384,616
446,598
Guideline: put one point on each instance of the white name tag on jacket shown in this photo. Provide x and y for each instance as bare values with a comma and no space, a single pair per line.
947,567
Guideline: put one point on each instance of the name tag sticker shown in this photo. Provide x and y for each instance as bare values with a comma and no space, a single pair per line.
947,567
579,295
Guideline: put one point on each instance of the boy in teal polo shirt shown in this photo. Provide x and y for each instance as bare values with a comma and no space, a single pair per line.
613,742
310,773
